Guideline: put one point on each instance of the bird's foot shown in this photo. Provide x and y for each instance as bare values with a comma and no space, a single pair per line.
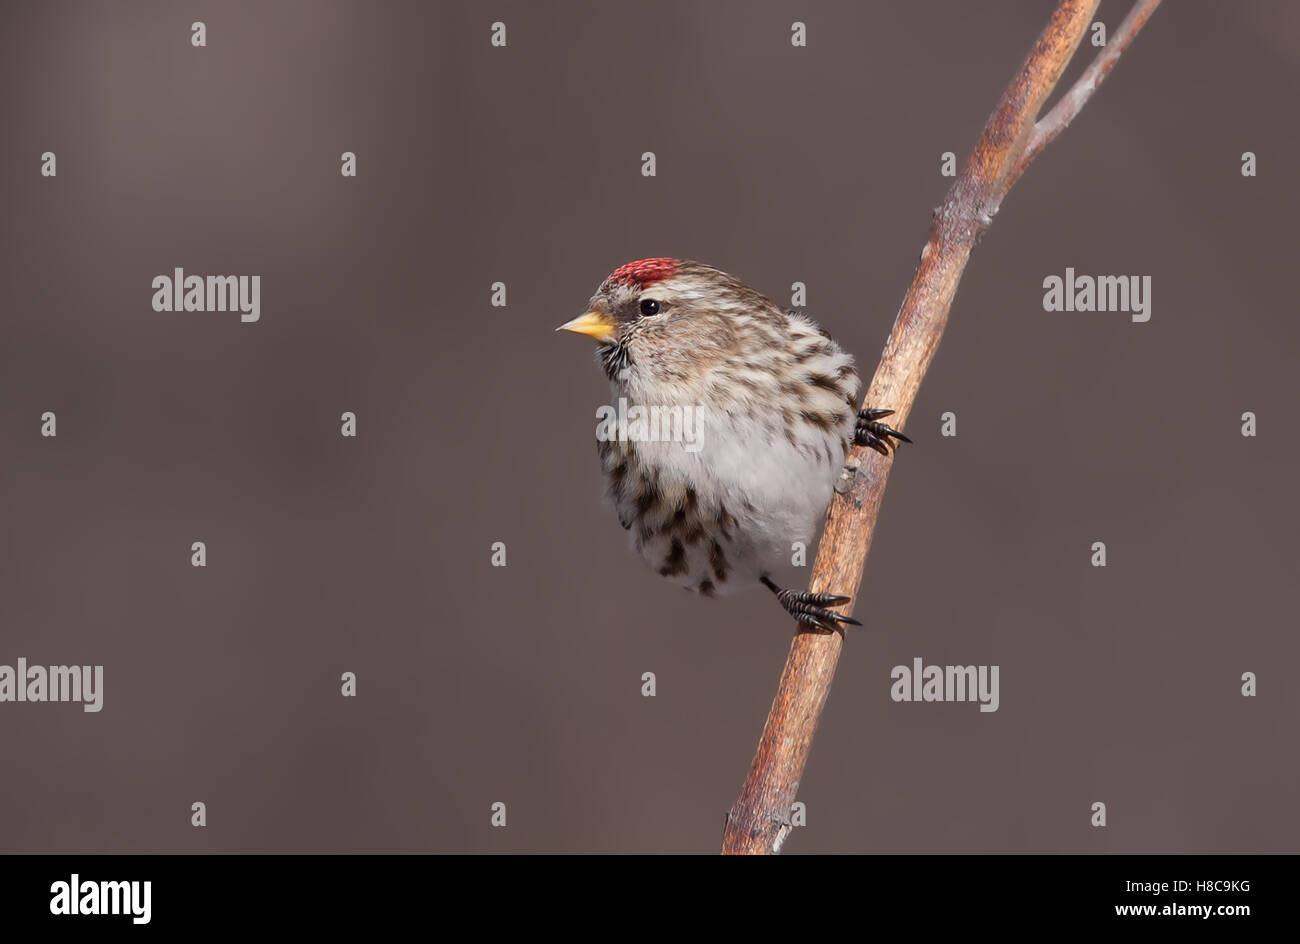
873,434
811,608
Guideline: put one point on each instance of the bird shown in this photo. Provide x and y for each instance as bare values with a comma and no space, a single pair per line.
757,410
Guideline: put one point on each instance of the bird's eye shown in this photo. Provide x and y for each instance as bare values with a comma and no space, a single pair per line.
649,306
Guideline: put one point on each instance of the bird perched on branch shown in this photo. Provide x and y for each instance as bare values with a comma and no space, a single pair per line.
734,419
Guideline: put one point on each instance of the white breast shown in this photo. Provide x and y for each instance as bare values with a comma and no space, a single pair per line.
746,469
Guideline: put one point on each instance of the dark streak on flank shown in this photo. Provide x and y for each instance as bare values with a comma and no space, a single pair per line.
675,563
718,561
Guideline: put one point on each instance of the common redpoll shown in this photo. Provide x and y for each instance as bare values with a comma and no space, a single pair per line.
734,418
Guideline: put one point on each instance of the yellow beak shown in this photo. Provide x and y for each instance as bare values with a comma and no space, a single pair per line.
594,324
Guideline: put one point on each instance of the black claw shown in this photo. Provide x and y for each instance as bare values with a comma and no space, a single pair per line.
818,599
865,437
811,608
874,434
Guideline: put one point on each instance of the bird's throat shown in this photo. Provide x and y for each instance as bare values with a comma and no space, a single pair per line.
614,360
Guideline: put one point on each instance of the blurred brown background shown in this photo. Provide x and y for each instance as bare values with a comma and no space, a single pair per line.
522,684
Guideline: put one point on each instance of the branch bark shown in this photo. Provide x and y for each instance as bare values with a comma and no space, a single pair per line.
760,820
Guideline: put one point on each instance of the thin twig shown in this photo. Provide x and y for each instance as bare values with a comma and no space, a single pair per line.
760,820
1072,102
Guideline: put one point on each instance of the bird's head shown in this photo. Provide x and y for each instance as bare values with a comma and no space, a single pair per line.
669,321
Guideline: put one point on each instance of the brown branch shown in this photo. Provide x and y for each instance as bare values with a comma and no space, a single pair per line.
759,822
1064,111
